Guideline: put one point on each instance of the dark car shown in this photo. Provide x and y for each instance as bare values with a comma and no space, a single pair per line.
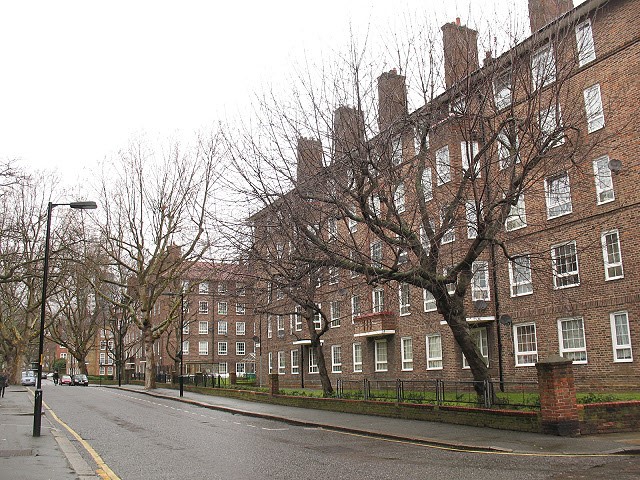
80,379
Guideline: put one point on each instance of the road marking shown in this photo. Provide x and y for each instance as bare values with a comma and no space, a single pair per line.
103,470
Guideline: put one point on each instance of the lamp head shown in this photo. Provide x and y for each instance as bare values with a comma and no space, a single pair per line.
85,205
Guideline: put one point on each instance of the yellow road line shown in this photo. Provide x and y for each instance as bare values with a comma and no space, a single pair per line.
103,470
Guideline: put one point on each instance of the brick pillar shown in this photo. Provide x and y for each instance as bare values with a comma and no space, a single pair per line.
558,408
274,384
232,378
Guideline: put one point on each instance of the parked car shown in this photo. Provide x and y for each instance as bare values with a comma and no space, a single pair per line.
66,380
80,379
28,379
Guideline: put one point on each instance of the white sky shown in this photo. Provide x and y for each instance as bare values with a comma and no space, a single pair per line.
80,78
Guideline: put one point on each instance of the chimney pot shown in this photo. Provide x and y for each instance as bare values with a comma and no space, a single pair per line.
458,21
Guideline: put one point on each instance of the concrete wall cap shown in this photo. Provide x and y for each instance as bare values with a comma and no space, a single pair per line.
555,359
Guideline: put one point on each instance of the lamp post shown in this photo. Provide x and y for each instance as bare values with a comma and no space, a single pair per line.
37,406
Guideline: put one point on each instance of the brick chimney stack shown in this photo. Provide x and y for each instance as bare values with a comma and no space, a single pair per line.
460,52
309,158
543,12
348,130
392,98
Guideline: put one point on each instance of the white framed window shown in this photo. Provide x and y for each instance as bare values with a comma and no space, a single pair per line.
434,352
240,328
103,357
517,217
543,67
223,308
222,288
185,347
427,184
593,107
282,366
280,325
406,347
336,359
240,309
404,299
449,235
374,204
351,223
380,350
525,344
377,300
399,198
621,337
502,89
333,275
318,279
222,327
396,151
298,318
564,260
269,327
612,255
203,347
604,180
376,253
480,281
185,328
241,368
572,341
443,165
203,288
355,306
469,152
295,362
472,219
507,152
270,362
203,327
354,257
429,301
102,371
241,290
241,348
317,317
451,287
584,43
313,360
222,348
558,195
550,123
334,308
332,228
479,336
357,357
520,278
223,368
203,307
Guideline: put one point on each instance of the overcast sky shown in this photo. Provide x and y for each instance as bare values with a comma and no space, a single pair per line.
80,78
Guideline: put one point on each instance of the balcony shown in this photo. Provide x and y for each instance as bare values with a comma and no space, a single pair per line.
379,324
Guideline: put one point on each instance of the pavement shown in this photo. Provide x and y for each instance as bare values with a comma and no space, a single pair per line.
54,456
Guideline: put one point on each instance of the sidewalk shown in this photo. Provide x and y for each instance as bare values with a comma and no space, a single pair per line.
51,456
433,433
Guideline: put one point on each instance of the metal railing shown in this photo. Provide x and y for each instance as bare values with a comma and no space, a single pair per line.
443,392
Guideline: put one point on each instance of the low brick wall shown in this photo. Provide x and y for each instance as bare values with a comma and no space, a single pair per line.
609,417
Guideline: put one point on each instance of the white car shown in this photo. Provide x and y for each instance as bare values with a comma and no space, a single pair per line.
28,379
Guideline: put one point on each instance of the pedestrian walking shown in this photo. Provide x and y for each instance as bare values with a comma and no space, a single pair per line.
55,377
4,383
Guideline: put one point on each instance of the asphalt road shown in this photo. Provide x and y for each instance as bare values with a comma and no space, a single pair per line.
141,437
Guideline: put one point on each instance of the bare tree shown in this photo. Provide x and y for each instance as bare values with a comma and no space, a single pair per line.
156,223
388,196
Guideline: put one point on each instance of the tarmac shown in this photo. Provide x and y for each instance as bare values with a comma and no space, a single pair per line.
54,456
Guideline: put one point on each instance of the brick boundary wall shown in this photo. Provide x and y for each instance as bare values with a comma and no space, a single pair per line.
609,417
558,405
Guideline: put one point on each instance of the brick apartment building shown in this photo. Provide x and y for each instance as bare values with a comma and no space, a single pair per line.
218,325
567,285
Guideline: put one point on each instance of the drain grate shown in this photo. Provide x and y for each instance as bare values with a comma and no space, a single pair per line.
16,453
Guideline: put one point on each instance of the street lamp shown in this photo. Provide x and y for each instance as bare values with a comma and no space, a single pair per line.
37,407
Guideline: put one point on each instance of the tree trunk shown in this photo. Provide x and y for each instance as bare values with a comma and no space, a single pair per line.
456,319
150,366
325,381
17,364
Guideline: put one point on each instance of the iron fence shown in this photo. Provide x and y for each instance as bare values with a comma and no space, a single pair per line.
487,394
